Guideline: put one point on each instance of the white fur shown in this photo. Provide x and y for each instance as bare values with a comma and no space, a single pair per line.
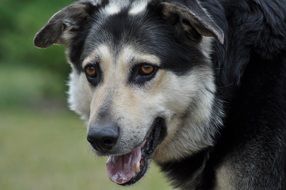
138,7
112,9
115,6
79,95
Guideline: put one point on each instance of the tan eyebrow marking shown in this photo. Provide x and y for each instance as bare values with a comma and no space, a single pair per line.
130,55
101,52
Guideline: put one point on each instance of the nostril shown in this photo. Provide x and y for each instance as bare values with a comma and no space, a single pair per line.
109,141
106,143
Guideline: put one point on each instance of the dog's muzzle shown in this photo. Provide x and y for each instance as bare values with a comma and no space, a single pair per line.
125,169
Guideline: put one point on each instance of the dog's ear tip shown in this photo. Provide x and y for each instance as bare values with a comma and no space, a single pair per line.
40,40
38,43
41,46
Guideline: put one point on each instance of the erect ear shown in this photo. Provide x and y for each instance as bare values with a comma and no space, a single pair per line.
192,15
64,24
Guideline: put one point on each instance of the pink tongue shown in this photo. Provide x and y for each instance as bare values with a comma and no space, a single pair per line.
121,169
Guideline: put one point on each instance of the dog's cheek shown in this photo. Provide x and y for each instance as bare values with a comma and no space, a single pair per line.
79,95
190,100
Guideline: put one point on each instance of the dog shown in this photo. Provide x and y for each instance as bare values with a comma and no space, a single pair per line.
197,86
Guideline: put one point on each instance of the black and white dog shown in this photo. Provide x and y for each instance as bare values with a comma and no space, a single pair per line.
198,86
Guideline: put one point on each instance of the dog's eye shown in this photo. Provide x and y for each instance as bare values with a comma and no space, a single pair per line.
142,73
146,69
91,71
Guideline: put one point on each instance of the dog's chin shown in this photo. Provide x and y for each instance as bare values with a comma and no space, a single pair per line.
129,168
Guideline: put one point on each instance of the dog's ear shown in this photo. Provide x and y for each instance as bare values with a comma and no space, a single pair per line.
191,15
64,24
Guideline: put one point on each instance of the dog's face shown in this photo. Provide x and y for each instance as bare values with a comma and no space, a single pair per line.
140,68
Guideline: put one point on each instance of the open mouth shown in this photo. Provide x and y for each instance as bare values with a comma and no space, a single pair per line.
129,168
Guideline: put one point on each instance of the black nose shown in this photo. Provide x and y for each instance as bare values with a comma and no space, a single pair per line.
103,136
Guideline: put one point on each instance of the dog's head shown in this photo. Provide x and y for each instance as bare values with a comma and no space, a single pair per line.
141,78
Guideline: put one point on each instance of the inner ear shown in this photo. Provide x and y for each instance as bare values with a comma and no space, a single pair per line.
63,25
192,16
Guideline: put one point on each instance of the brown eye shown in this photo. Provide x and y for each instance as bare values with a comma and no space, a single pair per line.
142,73
91,71
146,69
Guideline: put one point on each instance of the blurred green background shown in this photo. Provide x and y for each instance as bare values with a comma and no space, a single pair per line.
42,144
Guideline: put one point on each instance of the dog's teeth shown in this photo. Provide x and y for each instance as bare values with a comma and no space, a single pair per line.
137,167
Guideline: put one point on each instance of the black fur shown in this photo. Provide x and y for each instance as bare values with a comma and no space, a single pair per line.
251,76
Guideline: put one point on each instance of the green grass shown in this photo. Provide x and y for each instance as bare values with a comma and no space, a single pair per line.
24,86
48,151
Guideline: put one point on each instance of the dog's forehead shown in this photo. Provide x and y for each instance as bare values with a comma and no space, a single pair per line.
122,15
124,22
147,32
